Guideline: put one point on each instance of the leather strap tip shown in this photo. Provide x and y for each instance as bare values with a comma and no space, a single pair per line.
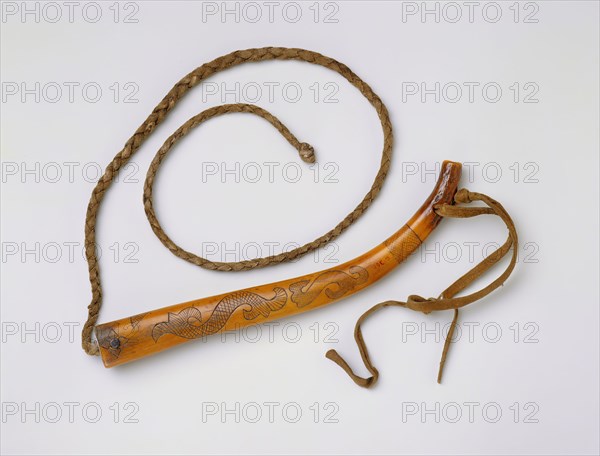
332,355
360,381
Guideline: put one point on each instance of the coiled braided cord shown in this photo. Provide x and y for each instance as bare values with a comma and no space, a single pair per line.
156,117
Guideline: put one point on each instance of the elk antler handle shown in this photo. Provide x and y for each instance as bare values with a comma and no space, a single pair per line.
132,338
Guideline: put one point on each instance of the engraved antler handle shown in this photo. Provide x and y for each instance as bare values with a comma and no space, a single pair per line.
132,338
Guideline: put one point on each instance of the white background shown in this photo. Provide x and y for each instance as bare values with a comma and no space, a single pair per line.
544,362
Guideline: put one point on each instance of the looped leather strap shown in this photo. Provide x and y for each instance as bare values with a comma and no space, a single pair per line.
447,299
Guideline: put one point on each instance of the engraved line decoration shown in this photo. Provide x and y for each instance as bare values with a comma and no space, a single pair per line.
111,340
335,284
188,322
400,250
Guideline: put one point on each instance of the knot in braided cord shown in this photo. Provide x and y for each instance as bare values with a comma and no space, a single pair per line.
307,153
